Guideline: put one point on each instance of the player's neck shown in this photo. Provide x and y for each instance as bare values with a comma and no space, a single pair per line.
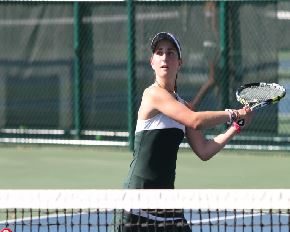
163,87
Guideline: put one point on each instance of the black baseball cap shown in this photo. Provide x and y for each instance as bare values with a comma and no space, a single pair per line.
165,36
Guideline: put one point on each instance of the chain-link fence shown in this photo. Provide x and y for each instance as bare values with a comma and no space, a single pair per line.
76,71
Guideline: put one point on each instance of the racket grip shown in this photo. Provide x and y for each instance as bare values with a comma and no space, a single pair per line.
241,122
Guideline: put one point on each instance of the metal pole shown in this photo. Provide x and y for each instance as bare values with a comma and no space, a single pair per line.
76,70
131,73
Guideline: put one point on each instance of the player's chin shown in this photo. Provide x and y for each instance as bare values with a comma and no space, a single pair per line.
164,70
164,73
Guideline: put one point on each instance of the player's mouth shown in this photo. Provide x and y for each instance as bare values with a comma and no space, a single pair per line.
164,67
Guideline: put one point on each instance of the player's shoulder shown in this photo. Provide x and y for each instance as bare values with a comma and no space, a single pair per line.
147,108
151,91
151,88
155,91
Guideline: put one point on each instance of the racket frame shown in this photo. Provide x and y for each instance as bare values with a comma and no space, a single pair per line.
256,105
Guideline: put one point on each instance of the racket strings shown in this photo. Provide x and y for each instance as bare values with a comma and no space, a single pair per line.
259,94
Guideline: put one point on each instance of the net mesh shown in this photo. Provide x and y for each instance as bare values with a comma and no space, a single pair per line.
145,210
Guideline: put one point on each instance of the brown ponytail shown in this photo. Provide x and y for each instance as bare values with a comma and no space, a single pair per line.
175,86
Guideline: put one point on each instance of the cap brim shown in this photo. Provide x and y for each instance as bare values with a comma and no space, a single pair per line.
165,36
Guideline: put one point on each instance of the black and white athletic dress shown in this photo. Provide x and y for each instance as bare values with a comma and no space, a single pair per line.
157,142
156,145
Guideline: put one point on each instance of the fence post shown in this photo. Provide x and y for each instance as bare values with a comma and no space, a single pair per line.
131,73
77,70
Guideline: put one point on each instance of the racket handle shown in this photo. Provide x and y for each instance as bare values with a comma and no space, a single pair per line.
241,122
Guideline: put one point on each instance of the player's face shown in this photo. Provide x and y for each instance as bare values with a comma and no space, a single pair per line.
165,61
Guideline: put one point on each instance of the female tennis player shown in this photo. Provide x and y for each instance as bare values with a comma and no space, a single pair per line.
163,121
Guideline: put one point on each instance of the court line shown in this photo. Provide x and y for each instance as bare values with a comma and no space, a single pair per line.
224,218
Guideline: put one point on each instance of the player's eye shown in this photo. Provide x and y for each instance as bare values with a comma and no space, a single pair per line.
159,53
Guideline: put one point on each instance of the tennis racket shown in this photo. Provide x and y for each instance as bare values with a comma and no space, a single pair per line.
258,95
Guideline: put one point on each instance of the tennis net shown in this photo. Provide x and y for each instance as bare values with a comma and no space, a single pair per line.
153,210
